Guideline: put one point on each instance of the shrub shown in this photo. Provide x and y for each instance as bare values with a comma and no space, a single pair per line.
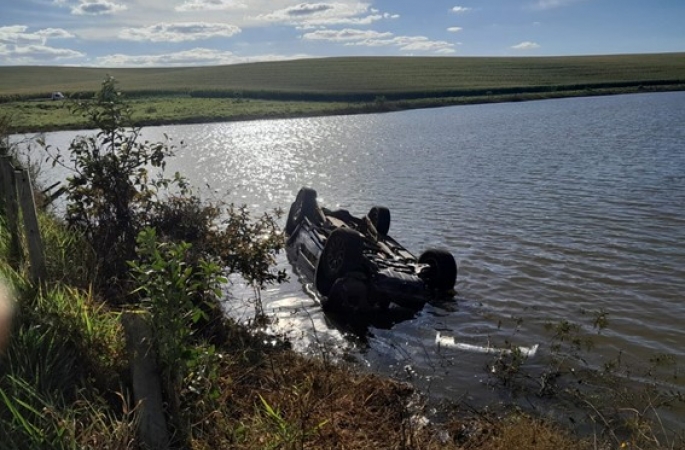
178,295
112,196
110,188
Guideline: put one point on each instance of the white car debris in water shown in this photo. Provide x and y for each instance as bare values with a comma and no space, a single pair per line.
449,342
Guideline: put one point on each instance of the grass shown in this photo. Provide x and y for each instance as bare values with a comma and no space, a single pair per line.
312,87
48,115
377,76
45,115
63,363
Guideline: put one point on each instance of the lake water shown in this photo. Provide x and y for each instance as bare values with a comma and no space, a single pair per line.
554,210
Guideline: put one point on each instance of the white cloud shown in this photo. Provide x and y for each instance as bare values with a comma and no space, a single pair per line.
347,34
36,54
550,4
210,5
97,8
18,35
423,44
526,45
454,29
20,46
179,32
308,15
91,7
369,38
194,57
13,29
460,9
54,33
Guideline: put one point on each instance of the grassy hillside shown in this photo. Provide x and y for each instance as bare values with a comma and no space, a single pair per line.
313,87
373,76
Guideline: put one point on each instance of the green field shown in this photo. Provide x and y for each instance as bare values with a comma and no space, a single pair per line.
358,75
332,85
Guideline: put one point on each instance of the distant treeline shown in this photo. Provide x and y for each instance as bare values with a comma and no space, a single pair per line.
356,97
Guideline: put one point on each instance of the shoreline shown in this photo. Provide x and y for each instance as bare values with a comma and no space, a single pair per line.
195,111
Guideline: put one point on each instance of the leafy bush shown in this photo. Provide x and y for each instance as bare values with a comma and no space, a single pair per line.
119,188
111,190
178,295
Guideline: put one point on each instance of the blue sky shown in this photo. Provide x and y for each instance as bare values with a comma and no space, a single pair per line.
147,33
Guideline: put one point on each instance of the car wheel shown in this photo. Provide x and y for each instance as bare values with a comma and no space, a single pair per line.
304,206
347,295
341,254
443,274
380,218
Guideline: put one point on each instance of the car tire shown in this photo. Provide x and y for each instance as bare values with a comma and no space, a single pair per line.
304,206
341,254
347,295
443,274
380,218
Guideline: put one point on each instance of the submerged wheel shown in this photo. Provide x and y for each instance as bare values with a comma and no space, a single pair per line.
304,206
341,254
380,218
443,273
347,295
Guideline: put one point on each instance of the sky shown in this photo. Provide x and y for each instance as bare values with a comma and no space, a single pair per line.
165,33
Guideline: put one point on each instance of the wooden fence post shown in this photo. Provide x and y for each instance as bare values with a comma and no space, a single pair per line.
147,387
9,188
28,208
18,196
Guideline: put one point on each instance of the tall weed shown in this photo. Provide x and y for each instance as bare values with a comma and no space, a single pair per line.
30,419
69,257
61,373
622,399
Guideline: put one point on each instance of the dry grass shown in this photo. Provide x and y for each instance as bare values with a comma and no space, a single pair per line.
272,398
520,432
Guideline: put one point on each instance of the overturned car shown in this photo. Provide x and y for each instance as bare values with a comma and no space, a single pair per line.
354,264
